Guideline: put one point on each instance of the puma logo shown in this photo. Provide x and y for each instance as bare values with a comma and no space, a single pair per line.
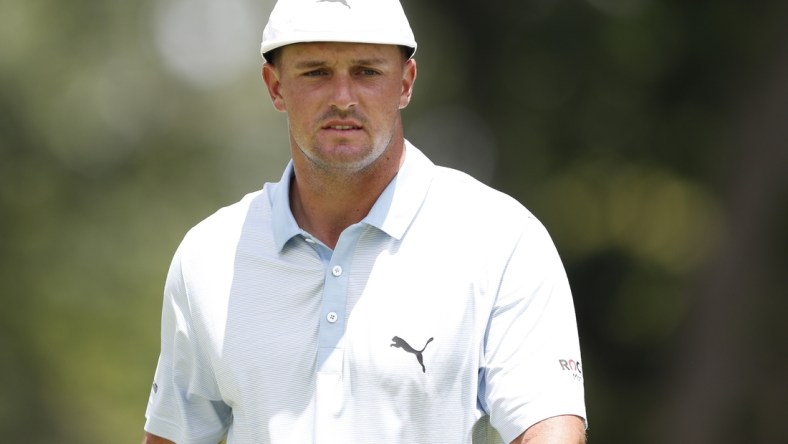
401,343
344,2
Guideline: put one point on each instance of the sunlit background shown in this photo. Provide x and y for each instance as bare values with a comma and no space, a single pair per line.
651,138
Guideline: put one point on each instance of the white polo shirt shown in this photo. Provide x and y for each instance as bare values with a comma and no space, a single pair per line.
444,311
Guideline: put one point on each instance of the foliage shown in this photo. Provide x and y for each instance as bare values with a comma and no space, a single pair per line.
647,136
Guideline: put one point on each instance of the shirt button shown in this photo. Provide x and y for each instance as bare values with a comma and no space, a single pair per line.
309,240
336,271
332,317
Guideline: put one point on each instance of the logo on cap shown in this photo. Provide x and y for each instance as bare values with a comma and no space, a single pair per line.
344,2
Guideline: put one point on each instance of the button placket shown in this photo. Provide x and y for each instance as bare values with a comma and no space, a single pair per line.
333,317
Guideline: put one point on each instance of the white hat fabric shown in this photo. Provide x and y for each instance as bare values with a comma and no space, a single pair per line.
353,21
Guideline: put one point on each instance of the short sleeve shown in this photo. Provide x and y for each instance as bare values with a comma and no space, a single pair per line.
531,369
185,405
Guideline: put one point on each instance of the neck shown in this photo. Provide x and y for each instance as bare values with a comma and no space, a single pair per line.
324,203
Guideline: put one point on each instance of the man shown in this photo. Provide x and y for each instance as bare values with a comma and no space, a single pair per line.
369,296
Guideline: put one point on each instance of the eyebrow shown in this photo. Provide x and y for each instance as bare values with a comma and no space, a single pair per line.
308,64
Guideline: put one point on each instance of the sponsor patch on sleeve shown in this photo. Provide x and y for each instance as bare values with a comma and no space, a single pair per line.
573,367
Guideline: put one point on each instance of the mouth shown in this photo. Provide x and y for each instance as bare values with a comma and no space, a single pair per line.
342,126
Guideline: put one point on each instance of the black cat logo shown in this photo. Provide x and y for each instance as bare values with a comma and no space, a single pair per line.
401,343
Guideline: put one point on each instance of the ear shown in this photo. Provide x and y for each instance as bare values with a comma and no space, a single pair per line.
271,79
408,79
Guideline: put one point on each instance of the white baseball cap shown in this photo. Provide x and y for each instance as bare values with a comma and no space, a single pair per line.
352,21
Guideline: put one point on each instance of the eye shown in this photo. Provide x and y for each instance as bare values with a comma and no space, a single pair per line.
316,73
368,72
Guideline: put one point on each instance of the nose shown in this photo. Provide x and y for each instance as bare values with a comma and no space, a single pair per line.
343,95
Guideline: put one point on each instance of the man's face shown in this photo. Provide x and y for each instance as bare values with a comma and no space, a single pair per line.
342,100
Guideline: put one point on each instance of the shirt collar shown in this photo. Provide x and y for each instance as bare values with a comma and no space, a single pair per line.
392,213
397,206
283,223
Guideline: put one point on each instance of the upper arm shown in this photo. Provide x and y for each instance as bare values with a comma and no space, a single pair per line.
153,439
185,401
532,367
565,429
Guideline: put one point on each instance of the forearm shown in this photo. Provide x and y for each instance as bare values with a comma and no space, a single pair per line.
557,430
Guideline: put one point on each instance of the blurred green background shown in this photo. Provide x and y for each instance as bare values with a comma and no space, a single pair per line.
651,138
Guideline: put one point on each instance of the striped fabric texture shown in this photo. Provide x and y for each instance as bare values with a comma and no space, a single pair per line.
445,316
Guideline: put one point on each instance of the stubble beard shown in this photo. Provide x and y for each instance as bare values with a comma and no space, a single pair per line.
343,163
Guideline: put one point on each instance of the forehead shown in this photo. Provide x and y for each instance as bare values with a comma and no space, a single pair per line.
332,52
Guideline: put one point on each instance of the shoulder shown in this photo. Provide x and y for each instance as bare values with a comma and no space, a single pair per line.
224,227
204,262
458,193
